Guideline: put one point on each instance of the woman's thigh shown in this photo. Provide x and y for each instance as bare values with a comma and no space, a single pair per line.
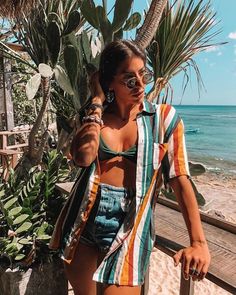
121,290
80,271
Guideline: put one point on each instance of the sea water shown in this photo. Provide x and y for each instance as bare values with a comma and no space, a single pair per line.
210,133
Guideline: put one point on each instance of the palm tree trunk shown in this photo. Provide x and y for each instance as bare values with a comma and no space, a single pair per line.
16,8
151,22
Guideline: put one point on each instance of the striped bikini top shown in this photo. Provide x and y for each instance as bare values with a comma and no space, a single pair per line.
105,153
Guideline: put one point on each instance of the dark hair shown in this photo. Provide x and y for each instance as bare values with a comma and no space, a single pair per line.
112,57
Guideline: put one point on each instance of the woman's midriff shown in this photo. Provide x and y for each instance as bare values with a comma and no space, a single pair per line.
118,171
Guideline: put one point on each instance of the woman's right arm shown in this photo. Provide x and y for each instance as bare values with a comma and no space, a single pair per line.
85,143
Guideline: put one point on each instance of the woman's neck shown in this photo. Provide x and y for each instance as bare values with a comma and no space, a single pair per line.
126,111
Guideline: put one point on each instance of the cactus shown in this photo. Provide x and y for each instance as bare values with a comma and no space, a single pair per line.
71,62
122,10
53,41
72,22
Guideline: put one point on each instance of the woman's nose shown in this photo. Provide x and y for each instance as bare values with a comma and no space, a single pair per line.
139,81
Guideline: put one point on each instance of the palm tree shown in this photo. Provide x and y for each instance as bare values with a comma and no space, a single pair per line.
151,22
15,8
185,29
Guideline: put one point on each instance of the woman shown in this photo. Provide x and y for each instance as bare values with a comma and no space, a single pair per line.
125,143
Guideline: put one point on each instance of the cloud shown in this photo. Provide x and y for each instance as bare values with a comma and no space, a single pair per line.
214,48
232,35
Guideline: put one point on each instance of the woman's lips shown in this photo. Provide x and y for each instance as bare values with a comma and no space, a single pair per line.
140,93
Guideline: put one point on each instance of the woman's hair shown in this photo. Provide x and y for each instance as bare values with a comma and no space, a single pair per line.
113,55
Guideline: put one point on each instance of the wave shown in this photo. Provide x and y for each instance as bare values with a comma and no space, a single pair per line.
192,130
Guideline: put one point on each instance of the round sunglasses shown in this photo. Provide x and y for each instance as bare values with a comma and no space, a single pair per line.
132,82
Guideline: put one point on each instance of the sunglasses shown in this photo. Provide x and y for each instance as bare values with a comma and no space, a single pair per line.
132,82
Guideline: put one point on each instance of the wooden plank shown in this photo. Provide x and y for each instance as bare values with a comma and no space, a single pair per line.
222,244
65,187
223,224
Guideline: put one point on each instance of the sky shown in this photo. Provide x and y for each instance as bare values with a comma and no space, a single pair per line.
217,65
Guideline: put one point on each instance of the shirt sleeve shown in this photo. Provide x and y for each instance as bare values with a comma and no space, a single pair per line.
175,161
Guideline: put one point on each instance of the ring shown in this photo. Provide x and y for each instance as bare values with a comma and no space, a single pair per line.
193,271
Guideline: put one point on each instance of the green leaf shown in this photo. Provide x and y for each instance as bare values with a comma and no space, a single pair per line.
43,237
63,80
20,219
45,70
19,257
122,10
32,86
132,22
24,227
25,241
54,41
89,12
71,62
10,203
72,22
15,211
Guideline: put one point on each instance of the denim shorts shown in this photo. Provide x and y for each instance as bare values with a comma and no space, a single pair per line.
107,215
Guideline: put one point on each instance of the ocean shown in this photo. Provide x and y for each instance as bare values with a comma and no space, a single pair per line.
210,133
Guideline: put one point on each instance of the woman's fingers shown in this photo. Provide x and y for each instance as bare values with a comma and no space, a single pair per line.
177,257
186,265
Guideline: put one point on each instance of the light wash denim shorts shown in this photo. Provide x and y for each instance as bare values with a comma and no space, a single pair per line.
107,215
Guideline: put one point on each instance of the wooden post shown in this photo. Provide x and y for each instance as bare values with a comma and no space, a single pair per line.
6,110
145,286
186,286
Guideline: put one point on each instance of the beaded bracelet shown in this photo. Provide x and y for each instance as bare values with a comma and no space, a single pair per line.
94,119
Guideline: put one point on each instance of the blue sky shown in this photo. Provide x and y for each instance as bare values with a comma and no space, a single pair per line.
217,66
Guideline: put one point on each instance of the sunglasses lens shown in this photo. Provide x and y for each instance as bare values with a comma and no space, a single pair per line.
131,83
147,78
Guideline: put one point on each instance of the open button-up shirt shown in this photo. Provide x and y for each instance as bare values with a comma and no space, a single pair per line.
161,149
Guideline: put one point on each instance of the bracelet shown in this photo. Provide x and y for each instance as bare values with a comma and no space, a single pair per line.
94,106
94,119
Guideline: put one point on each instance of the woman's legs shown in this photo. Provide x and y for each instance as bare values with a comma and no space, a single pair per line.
80,271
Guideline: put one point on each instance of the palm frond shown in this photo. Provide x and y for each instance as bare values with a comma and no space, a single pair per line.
185,30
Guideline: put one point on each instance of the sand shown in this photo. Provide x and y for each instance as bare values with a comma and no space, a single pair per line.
220,194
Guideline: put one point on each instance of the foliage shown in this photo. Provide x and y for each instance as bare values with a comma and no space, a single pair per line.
97,17
24,110
185,30
28,210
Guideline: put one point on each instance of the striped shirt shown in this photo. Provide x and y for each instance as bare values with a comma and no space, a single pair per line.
161,149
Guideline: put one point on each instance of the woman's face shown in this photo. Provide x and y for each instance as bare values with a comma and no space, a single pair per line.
131,92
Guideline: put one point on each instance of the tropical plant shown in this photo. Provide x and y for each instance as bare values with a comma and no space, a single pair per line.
28,211
185,29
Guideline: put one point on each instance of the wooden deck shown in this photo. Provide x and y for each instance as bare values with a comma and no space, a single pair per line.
172,235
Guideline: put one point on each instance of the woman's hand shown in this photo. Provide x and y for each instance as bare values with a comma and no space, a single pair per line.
196,257
97,93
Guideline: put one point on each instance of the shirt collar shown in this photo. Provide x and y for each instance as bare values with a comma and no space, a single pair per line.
148,107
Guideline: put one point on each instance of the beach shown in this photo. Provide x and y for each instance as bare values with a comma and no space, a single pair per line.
219,191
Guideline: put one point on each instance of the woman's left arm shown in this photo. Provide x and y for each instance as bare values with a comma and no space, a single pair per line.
196,256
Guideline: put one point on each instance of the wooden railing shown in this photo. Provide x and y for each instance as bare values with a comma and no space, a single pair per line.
171,236
10,150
